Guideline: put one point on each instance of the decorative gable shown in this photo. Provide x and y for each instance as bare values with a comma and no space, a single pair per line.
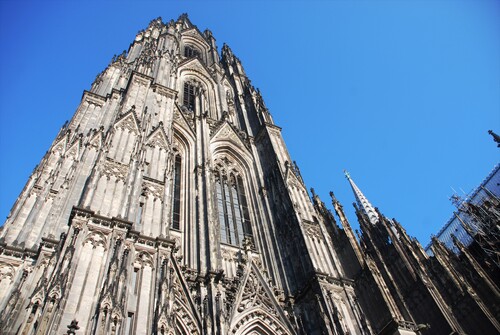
96,140
256,310
183,307
182,121
129,122
195,33
60,146
158,138
293,177
194,65
225,132
74,148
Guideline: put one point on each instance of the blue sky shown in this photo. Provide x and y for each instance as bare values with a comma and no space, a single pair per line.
400,93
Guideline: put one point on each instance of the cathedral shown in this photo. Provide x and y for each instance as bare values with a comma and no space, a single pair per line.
169,204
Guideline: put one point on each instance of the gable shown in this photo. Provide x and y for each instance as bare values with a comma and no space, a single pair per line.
128,122
181,120
194,34
225,132
74,148
96,140
158,138
184,307
291,177
60,145
194,65
256,309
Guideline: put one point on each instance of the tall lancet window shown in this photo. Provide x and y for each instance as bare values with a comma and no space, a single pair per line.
189,96
232,207
176,198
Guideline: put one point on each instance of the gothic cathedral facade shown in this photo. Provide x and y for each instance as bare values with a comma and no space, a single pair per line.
169,204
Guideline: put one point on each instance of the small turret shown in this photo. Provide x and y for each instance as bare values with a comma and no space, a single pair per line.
347,228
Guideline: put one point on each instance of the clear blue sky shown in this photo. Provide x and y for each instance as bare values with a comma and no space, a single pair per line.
400,93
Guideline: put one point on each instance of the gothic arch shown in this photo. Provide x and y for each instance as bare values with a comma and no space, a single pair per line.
231,202
194,71
193,35
183,145
185,322
38,298
55,292
197,42
182,328
182,140
242,158
143,258
229,150
96,238
257,322
187,319
256,309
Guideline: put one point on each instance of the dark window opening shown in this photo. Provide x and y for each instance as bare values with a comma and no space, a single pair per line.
135,279
130,324
139,213
176,205
190,52
247,227
189,96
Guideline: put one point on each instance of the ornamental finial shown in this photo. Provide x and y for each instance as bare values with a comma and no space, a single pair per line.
496,138
347,175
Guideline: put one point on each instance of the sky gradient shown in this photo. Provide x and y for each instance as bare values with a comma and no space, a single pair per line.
399,93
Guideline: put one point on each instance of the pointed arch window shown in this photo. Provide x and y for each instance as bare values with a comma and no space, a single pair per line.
232,208
189,96
176,198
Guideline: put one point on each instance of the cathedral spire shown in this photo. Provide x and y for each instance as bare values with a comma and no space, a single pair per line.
362,201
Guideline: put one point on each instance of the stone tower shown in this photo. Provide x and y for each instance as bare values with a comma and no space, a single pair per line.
169,204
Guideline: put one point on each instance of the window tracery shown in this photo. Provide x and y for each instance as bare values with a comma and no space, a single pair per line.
189,96
190,51
232,204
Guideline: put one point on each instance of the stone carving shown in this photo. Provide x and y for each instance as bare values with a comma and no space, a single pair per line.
113,168
6,271
149,55
254,295
151,188
184,119
224,131
227,165
96,239
228,255
158,138
183,305
96,139
129,122
144,259
313,230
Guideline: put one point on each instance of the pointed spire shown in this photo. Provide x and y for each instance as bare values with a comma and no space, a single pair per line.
496,138
363,203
